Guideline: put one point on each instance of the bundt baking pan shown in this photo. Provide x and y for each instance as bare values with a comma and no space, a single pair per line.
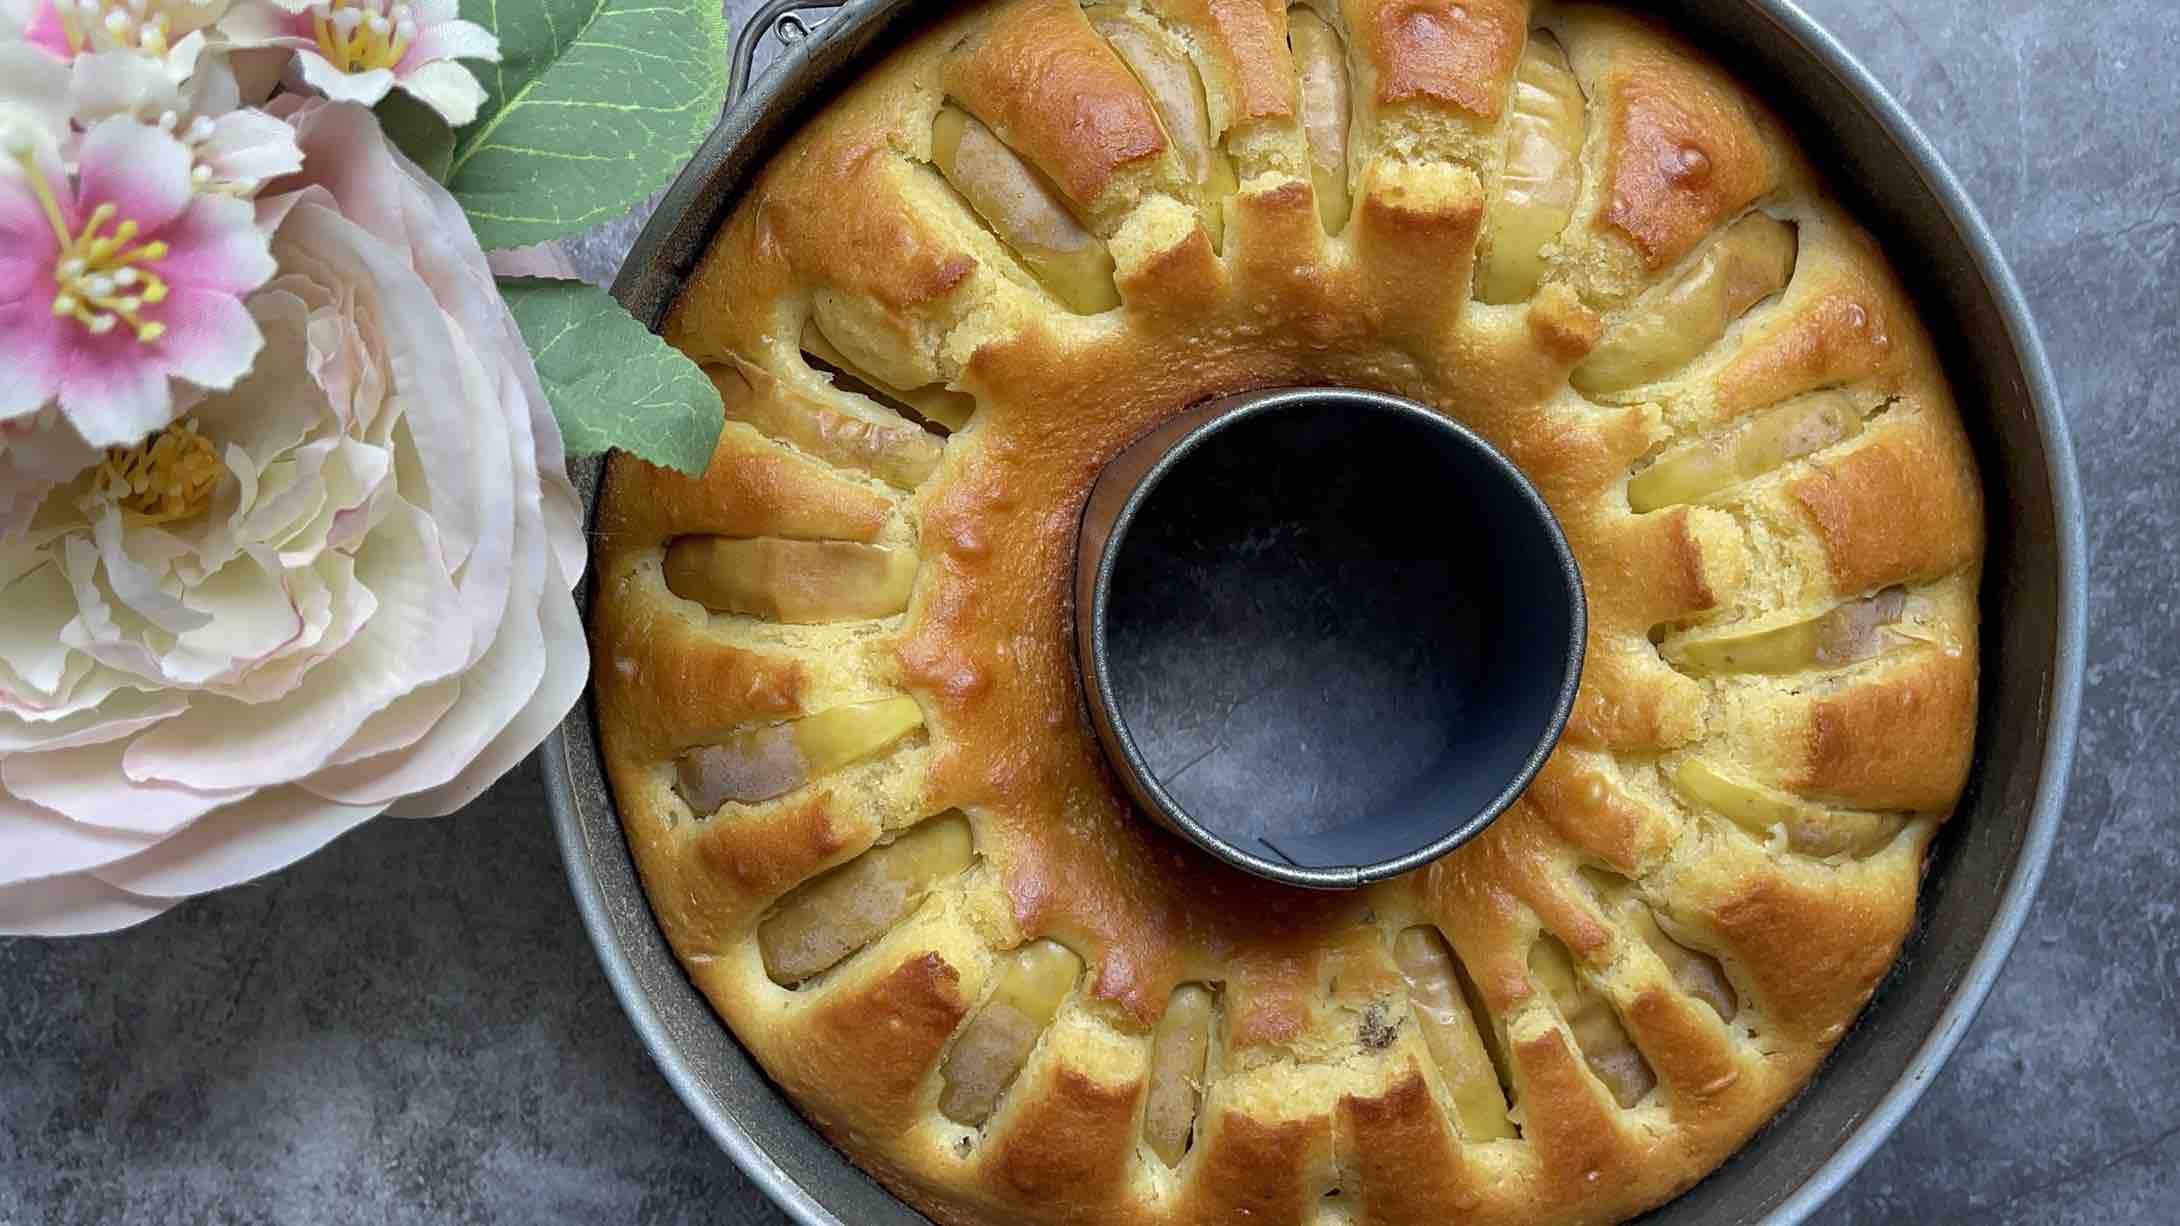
1797,493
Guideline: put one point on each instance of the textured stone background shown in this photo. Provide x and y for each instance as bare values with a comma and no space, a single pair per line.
411,1027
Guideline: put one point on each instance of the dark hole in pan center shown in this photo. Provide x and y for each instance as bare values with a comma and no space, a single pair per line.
1335,632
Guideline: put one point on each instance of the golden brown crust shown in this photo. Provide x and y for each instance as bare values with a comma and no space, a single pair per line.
1247,61
1794,970
1068,1146
1844,316
867,1049
674,685
1576,795
1322,1100
1459,55
1904,508
1867,745
1043,80
1255,1171
1407,1164
1685,149
754,487
1567,1115
1414,235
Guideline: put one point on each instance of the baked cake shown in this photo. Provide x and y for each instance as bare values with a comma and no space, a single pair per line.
836,686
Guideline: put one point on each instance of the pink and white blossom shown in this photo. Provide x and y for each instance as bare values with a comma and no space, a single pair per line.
165,31
118,277
232,150
356,50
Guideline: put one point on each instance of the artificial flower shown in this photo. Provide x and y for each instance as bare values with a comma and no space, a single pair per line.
232,150
166,31
340,587
356,50
117,277
37,453
34,89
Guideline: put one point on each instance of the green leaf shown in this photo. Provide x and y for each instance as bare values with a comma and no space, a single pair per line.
611,382
593,106
418,131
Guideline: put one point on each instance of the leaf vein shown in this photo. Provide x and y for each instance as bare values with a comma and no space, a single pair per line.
591,104
638,52
513,103
556,154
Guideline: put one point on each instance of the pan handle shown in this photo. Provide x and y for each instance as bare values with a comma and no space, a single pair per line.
786,22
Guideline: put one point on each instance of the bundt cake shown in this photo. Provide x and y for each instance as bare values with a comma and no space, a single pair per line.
835,679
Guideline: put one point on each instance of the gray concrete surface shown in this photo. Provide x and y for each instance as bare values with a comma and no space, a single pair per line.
410,1027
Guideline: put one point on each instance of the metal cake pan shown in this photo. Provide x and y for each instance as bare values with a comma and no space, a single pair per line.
1984,868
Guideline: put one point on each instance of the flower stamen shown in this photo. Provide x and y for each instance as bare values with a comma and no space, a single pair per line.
362,35
114,25
169,476
100,279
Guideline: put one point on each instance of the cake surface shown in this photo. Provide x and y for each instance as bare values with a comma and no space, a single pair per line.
835,679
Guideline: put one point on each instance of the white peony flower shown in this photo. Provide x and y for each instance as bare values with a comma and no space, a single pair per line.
340,588
36,453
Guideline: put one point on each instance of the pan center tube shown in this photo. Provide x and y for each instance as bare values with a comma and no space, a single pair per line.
1327,634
